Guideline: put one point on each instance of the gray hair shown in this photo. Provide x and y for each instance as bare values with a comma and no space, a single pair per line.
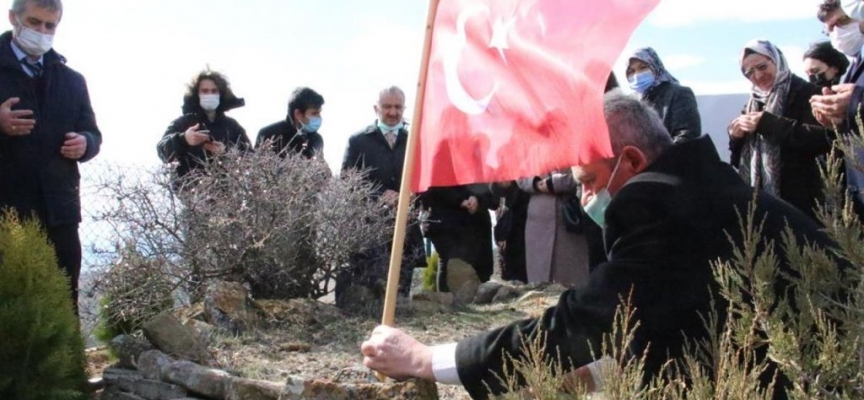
18,6
633,122
391,90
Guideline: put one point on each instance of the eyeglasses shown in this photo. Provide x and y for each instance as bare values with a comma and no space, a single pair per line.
760,68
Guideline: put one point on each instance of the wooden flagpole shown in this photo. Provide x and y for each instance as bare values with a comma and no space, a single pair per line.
407,175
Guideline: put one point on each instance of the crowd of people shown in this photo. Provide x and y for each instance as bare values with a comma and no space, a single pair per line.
646,219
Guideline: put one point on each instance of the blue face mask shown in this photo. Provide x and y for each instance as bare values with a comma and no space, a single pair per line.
313,125
384,127
596,207
641,81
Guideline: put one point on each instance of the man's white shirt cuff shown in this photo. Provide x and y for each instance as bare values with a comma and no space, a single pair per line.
444,364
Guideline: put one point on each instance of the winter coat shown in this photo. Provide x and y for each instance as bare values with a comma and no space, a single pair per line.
34,176
801,140
224,129
552,253
368,149
676,106
664,230
286,139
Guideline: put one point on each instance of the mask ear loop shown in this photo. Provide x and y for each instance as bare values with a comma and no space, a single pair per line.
614,171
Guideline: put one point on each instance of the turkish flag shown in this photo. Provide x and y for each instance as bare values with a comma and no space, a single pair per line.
514,88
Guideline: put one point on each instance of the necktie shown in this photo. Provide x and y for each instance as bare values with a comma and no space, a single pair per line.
391,138
34,68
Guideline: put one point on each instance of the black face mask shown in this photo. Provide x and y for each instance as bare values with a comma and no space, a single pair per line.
819,79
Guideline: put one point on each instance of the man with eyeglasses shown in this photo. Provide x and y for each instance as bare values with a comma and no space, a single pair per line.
47,127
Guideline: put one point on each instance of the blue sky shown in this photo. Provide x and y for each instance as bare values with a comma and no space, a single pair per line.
138,54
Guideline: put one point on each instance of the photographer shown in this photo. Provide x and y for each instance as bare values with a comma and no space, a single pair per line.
203,131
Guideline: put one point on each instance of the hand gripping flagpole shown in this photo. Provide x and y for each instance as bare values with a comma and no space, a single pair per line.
407,175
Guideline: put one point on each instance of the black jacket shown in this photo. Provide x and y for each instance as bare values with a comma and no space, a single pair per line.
446,212
801,140
677,107
173,147
286,138
663,229
34,176
369,149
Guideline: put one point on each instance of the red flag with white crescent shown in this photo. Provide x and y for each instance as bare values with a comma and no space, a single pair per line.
515,87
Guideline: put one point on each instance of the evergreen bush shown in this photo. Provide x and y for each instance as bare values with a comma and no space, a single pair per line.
430,273
42,351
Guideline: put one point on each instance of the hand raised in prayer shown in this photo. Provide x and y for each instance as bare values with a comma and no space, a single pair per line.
833,102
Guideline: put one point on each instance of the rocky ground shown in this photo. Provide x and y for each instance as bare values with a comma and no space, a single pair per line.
314,339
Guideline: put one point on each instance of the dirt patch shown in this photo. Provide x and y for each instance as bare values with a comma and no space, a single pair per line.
309,340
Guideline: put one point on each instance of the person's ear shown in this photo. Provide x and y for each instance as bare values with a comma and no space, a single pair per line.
634,160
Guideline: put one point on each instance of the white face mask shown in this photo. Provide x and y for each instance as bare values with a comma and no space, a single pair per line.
31,42
853,8
209,102
848,39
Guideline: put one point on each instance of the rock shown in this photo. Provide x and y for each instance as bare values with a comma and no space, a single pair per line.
506,293
531,296
355,296
298,389
486,292
169,335
462,280
295,347
114,393
201,328
153,363
150,389
303,312
248,389
354,375
127,349
111,375
431,302
200,380
227,306
445,299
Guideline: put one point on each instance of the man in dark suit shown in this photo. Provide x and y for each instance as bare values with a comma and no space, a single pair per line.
47,127
664,209
298,132
379,150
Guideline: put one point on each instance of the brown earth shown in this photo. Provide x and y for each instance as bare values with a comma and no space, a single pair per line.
309,338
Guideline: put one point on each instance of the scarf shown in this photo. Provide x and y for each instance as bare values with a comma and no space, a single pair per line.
760,160
650,57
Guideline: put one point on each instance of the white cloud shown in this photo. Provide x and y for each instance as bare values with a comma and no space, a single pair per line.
712,87
677,62
677,13
795,58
